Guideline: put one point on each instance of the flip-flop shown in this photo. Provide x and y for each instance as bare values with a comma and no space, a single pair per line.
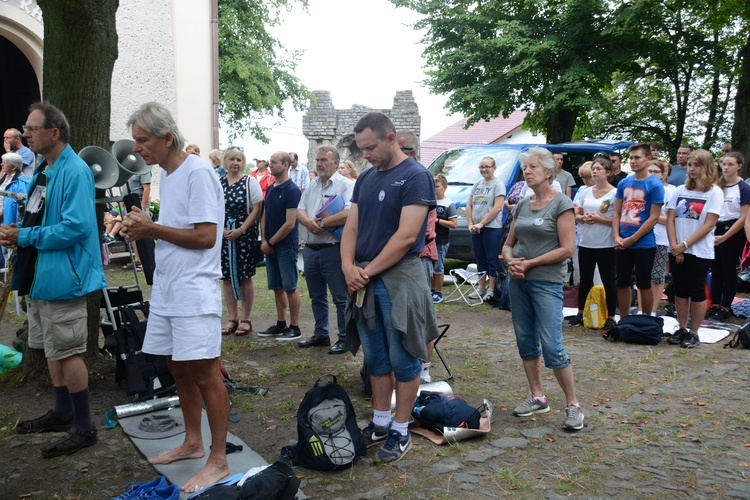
244,331
230,328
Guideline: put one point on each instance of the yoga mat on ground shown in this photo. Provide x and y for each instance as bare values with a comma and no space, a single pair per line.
181,471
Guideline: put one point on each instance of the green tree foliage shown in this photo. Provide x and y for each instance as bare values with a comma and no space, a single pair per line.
681,87
552,59
256,74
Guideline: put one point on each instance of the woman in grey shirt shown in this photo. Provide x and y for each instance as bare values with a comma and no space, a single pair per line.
484,212
541,240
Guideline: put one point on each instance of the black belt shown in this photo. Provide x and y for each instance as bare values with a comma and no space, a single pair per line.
312,246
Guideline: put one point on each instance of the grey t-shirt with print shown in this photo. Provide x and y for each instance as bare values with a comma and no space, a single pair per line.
536,234
483,196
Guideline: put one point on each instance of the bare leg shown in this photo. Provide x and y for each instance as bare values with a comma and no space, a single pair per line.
206,377
430,350
697,312
623,301
437,281
70,372
294,305
281,303
229,300
683,307
248,297
382,390
648,300
657,291
406,393
190,403
564,377
533,369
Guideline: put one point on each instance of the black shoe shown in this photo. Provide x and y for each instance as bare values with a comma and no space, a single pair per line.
315,342
46,423
721,314
75,440
691,341
678,337
338,348
609,325
273,331
711,311
290,333
577,320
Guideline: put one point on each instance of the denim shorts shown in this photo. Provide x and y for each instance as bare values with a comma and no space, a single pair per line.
439,267
537,314
281,269
383,347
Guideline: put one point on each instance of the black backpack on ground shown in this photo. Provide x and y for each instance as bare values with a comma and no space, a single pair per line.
435,411
328,437
741,337
637,329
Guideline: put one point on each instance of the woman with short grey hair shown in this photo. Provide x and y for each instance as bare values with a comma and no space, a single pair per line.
12,181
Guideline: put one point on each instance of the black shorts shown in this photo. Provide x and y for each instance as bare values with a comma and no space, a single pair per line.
689,278
640,259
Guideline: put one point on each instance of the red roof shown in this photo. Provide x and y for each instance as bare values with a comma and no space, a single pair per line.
482,132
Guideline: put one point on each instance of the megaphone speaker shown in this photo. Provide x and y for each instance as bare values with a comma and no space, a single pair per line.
103,165
123,152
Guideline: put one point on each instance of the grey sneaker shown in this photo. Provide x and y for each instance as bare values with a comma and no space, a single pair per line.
531,406
573,418
373,434
691,341
394,449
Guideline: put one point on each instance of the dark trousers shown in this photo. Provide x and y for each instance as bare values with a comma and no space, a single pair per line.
588,259
724,266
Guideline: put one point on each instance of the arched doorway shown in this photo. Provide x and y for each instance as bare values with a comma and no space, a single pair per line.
19,86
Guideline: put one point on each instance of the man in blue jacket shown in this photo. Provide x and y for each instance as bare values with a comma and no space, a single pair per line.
59,263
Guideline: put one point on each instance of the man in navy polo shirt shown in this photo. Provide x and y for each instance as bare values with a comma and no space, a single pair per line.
280,243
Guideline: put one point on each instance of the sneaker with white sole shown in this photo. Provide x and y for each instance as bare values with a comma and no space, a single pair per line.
488,296
478,294
531,406
394,449
374,434
573,417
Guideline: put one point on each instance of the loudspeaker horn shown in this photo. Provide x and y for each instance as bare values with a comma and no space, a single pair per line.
103,165
130,162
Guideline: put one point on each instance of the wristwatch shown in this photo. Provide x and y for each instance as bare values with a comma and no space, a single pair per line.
321,224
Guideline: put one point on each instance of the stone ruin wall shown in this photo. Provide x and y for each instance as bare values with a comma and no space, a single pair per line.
324,125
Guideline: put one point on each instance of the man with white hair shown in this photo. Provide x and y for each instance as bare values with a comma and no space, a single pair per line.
184,322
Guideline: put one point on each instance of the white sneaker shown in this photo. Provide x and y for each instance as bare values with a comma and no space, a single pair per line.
425,379
488,296
478,295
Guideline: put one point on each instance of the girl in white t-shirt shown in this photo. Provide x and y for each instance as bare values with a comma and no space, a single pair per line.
596,246
692,213
730,237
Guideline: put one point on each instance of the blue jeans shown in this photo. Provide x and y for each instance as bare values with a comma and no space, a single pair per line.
486,249
281,269
323,268
537,319
439,267
383,347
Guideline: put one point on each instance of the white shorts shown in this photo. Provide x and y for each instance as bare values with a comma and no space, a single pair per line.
185,338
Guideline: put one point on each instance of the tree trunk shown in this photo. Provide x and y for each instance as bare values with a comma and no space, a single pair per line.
80,50
561,125
741,127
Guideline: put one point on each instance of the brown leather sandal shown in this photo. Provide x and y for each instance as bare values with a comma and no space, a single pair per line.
230,328
244,331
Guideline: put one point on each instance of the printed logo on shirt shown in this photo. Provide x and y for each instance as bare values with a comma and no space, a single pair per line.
633,203
399,183
381,195
689,208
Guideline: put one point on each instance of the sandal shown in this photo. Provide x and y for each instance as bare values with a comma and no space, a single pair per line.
244,331
230,328
129,266
75,440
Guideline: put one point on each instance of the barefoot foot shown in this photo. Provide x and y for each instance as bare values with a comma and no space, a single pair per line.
212,472
184,452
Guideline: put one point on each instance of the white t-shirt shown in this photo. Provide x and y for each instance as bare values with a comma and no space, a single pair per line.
735,196
660,230
186,281
598,235
691,208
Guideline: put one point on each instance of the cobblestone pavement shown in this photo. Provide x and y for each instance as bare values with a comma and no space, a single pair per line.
660,422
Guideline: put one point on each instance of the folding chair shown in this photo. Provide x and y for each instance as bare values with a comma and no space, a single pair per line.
443,330
467,283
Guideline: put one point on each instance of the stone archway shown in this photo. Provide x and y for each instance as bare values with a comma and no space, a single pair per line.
18,89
